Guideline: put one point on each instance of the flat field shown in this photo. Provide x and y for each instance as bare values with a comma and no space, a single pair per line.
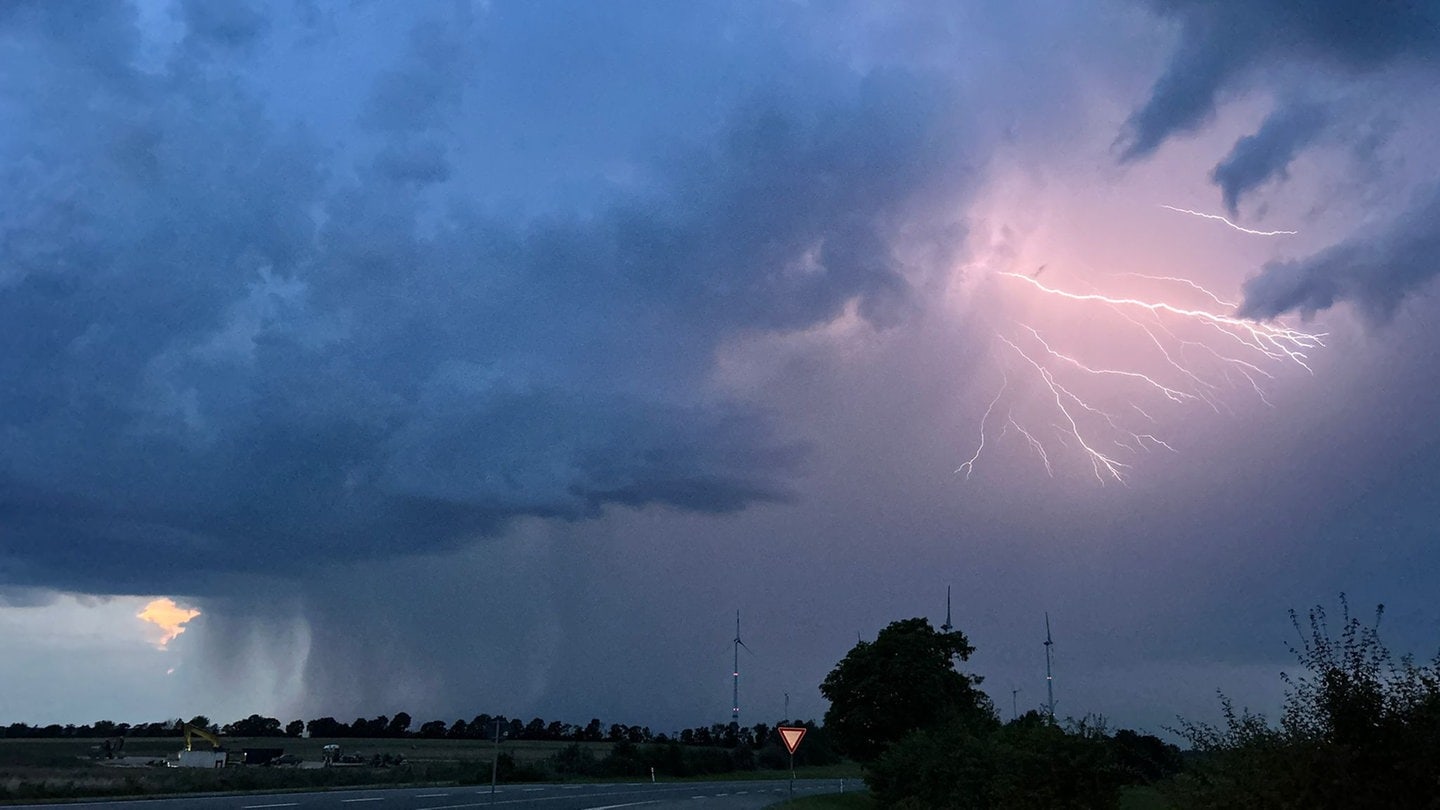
76,753
32,769
64,768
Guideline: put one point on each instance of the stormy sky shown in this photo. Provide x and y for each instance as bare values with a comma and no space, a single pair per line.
488,356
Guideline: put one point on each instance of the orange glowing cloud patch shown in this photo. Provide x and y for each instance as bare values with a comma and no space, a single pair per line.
168,616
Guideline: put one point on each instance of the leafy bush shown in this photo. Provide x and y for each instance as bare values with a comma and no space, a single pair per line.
1359,729
1029,763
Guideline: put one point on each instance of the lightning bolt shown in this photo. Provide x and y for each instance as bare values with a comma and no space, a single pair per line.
1239,228
1100,463
969,466
1193,371
1170,393
1188,283
1275,340
1031,440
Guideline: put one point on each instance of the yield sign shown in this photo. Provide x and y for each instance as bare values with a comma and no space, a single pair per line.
791,736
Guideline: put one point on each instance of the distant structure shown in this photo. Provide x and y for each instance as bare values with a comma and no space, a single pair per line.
735,695
1049,678
947,627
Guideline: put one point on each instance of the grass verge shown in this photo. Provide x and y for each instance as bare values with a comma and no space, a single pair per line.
834,801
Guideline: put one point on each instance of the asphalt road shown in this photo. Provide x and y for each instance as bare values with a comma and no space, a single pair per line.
658,796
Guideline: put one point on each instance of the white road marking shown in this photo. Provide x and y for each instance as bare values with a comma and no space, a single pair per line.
368,799
432,795
630,804
261,806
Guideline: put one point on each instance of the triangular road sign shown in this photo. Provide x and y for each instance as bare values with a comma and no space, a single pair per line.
791,736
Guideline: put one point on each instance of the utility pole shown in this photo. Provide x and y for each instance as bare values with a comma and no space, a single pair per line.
1014,710
787,708
495,760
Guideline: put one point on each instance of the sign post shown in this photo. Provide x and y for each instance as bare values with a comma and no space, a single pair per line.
792,736
495,762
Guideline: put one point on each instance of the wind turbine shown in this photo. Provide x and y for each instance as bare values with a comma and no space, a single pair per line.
735,705
1049,680
947,627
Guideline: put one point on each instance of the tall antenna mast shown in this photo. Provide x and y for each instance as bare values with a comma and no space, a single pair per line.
735,695
1049,679
947,627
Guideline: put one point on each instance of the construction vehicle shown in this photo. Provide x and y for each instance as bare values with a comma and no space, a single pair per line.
334,758
108,748
216,757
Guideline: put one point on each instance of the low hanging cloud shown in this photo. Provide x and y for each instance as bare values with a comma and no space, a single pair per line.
1221,45
1267,154
1375,272
228,351
1224,47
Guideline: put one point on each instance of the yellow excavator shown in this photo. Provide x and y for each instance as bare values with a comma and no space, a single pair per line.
192,732
216,757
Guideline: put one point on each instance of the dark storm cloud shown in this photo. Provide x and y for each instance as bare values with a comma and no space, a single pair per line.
1223,44
1375,272
1266,154
224,351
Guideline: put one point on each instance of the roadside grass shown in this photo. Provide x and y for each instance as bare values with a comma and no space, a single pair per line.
833,801
841,770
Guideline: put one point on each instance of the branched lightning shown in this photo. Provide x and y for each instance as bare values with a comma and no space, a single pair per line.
1188,283
1239,228
1191,370
1272,339
969,466
1170,393
1099,462
1032,441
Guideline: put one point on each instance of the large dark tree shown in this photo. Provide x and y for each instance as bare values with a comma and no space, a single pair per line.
903,681
398,726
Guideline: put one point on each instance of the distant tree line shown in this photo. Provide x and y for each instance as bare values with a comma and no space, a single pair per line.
401,726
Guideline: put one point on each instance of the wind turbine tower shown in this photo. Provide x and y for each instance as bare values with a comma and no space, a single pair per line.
735,695
1049,679
947,627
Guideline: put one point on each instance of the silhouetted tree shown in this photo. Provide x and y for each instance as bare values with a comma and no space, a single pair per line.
903,681
294,728
255,726
399,725
327,727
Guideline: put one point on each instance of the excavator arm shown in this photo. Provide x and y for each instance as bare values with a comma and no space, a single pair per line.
196,731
